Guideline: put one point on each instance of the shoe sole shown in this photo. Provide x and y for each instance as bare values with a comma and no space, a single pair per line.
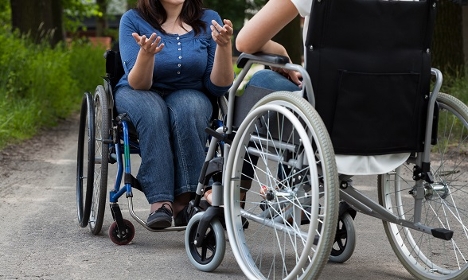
159,224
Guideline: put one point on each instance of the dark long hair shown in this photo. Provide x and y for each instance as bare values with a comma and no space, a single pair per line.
154,13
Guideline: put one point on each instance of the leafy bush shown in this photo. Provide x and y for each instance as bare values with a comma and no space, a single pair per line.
39,85
457,87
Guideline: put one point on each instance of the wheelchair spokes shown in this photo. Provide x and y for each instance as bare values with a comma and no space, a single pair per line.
274,187
443,202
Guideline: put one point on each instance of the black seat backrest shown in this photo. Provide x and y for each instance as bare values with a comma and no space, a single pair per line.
114,67
370,65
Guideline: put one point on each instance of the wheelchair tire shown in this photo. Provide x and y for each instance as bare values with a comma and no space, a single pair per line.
210,255
443,205
85,160
291,200
345,240
122,236
102,131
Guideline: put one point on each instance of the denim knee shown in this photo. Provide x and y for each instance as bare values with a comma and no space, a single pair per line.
148,112
271,80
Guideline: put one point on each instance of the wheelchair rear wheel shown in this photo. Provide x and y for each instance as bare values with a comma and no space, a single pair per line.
85,160
281,196
102,124
443,205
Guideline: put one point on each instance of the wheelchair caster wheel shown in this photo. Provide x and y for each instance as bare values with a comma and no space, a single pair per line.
122,236
210,254
345,240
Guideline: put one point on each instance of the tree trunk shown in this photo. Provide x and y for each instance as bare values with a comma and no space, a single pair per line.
101,22
39,19
447,45
291,38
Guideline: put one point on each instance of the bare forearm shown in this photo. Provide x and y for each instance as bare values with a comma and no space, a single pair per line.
274,48
141,75
222,73
256,34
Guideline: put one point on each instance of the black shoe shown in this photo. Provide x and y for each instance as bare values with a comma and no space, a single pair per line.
182,218
161,218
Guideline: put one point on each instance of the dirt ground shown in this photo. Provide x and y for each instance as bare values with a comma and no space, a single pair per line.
17,161
41,238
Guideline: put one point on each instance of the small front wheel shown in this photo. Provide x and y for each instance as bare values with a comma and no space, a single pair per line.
210,254
122,236
345,239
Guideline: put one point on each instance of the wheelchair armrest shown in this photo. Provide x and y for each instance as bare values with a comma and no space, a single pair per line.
261,57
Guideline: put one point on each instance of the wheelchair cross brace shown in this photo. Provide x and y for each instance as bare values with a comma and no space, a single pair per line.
363,204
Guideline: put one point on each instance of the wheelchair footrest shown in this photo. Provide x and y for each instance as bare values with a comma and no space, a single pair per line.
442,233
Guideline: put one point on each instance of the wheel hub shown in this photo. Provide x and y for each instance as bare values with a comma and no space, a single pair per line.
436,189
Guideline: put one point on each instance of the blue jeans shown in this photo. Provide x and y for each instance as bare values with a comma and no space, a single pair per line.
271,80
172,138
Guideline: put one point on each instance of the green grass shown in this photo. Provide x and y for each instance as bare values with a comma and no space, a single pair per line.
456,87
40,85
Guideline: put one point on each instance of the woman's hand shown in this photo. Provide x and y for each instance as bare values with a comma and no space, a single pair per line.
141,75
151,45
292,75
222,34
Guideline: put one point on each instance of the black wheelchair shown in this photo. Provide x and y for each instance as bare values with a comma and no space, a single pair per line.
274,160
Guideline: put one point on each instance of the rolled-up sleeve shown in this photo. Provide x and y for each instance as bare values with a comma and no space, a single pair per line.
303,6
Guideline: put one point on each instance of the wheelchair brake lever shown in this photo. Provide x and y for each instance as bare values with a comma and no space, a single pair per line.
221,137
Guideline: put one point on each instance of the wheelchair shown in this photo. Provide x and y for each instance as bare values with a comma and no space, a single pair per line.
279,189
107,138
368,92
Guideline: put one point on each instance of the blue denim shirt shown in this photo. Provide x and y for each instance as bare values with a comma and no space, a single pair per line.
185,62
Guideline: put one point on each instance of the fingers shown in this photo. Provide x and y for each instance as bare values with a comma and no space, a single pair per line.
295,78
291,75
150,45
228,23
222,34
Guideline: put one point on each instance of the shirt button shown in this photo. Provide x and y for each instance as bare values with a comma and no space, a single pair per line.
178,72
178,43
178,65
180,57
179,49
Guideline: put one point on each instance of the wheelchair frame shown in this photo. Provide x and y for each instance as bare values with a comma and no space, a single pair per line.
302,216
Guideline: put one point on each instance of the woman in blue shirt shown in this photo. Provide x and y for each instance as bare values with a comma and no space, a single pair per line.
174,53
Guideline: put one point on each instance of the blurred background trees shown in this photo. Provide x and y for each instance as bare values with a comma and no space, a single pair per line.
448,51
53,20
46,24
42,78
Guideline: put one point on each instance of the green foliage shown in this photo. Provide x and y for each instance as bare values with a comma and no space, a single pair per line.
76,10
131,3
235,10
39,85
5,12
457,86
